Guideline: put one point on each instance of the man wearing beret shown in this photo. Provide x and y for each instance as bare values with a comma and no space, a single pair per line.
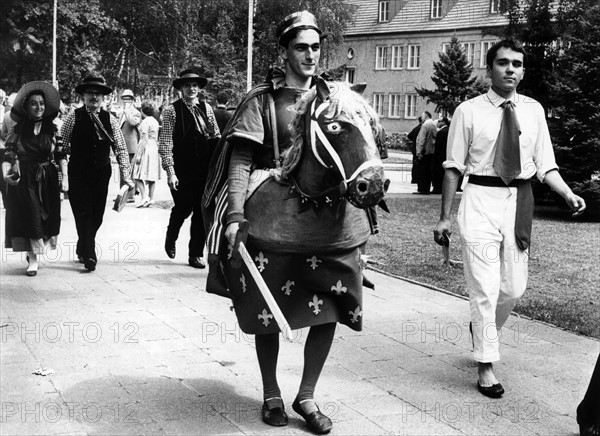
187,139
89,133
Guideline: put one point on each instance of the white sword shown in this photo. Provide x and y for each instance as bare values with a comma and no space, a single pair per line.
285,328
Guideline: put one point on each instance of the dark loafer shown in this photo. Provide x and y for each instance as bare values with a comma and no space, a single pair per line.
494,391
275,416
587,425
90,264
196,262
316,421
170,248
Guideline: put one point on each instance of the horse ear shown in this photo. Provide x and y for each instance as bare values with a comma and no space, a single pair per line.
323,91
359,88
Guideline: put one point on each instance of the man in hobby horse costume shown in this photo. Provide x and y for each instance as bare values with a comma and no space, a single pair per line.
255,138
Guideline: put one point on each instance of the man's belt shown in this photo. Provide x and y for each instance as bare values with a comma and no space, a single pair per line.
525,205
495,182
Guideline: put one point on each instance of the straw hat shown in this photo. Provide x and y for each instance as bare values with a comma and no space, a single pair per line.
51,99
127,93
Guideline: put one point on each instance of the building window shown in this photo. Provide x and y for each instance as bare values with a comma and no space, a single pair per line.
384,11
485,46
436,9
397,57
394,106
494,6
410,106
350,75
414,57
469,48
445,47
378,99
350,53
381,59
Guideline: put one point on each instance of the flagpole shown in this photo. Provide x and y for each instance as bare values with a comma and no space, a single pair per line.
250,43
54,81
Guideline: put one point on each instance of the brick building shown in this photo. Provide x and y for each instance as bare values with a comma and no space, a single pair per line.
393,43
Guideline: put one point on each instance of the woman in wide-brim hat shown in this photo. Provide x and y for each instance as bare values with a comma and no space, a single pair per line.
33,194
51,97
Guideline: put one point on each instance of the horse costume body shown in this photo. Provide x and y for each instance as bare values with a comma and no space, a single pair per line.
307,223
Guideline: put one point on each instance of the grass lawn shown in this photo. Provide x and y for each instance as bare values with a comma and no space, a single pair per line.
564,264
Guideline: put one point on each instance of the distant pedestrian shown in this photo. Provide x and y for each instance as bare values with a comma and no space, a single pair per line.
146,162
129,120
439,155
89,133
222,114
500,140
412,137
424,153
6,125
3,98
382,141
187,140
33,196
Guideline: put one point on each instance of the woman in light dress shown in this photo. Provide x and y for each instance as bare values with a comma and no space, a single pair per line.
146,162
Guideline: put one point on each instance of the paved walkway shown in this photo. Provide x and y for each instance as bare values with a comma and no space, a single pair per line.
138,347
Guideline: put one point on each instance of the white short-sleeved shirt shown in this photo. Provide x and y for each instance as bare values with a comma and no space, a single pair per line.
475,127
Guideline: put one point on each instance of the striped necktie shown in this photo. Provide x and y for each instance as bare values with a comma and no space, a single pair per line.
507,160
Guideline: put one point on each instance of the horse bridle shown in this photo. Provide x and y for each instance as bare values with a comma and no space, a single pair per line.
317,132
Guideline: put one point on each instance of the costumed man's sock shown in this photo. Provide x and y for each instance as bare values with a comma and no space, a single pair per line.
316,350
267,351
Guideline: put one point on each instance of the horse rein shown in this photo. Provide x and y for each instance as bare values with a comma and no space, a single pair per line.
316,131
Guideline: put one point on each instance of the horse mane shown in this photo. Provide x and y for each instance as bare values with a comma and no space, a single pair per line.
343,101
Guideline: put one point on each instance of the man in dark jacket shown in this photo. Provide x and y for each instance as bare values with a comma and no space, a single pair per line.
412,136
222,114
439,155
89,133
186,143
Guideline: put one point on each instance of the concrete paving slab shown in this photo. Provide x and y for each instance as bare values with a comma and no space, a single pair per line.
144,350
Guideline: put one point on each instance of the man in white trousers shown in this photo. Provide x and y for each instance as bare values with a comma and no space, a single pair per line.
499,140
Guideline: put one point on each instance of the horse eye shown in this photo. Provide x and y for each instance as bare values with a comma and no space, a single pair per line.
334,127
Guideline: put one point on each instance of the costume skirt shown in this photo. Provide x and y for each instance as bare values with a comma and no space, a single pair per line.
33,209
310,289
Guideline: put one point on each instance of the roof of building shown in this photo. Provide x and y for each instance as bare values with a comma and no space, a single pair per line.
415,16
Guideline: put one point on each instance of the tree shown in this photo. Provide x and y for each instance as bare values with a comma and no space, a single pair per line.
142,44
452,77
534,23
576,91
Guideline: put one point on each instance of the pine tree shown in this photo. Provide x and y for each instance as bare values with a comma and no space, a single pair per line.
452,77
